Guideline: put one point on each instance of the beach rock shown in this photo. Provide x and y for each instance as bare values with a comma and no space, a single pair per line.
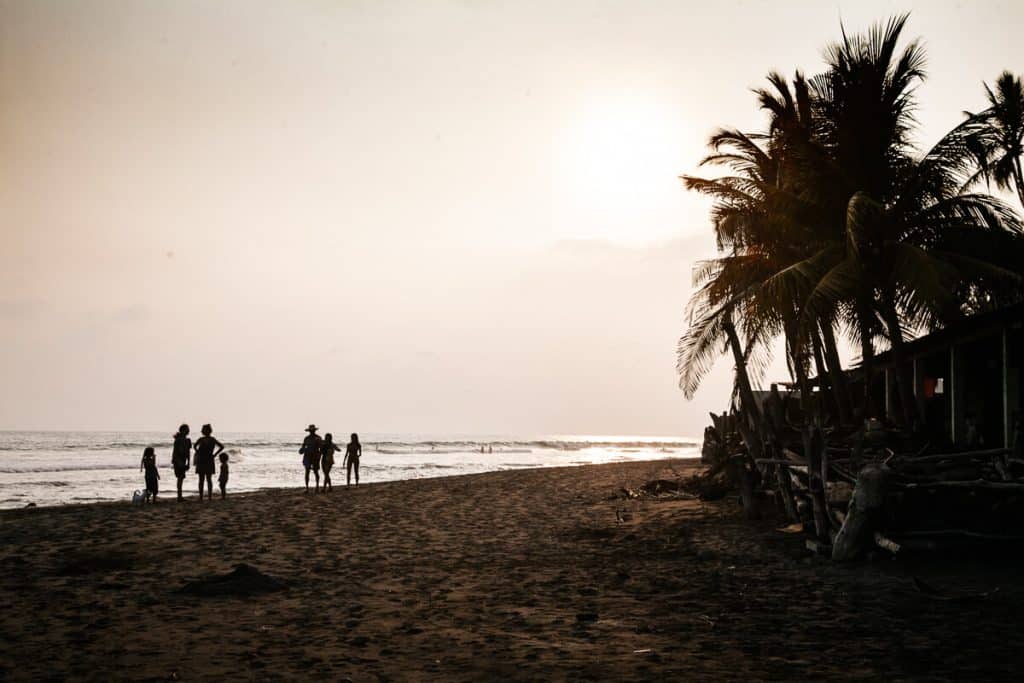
244,580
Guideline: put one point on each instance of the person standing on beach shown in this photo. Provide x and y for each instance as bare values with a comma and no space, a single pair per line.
206,459
181,455
328,448
152,474
310,451
223,478
352,454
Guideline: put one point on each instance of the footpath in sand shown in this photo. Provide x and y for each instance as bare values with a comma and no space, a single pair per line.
525,575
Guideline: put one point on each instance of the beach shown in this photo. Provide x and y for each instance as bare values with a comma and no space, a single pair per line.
533,574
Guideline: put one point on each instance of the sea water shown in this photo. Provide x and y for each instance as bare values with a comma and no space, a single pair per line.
56,468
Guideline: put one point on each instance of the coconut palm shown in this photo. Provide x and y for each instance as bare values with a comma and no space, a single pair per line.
1000,143
831,220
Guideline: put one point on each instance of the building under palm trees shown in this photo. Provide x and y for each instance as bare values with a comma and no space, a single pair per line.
967,379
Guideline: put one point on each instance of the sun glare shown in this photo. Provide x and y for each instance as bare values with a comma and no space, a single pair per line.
619,169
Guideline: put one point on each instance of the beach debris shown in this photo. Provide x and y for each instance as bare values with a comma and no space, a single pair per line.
244,580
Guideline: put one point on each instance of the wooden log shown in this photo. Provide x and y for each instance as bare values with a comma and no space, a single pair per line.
859,526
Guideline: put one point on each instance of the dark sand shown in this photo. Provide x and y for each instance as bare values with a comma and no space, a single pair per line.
525,575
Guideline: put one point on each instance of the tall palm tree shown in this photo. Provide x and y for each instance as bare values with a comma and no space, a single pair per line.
1000,143
831,219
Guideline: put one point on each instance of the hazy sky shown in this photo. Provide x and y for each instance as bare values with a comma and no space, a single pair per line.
381,216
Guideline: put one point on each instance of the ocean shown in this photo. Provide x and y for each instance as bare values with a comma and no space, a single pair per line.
58,468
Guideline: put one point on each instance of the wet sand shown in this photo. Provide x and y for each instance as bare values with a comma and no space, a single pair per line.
524,575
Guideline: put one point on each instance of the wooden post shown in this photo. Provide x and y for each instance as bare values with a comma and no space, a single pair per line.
786,491
859,526
814,447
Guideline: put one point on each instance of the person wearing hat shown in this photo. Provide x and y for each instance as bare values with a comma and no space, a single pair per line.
311,447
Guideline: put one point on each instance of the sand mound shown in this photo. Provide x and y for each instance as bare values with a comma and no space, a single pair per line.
243,580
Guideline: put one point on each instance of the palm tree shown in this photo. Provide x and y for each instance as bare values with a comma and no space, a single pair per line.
999,145
830,220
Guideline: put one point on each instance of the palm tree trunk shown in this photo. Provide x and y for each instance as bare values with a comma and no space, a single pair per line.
824,379
839,385
797,357
1018,179
742,378
867,362
750,421
899,357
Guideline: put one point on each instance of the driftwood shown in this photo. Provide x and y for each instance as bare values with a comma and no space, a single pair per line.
858,526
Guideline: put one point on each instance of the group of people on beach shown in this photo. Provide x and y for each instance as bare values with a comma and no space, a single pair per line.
318,453
207,450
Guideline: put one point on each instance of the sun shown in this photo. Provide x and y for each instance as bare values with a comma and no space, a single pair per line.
618,172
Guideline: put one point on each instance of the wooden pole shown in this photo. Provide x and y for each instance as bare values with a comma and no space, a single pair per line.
814,447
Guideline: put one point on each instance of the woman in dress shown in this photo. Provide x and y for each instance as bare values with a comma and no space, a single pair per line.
152,474
206,459
352,453
181,455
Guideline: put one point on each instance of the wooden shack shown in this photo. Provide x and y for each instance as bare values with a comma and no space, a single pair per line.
967,379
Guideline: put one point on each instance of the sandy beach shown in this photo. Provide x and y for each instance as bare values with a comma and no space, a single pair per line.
543,574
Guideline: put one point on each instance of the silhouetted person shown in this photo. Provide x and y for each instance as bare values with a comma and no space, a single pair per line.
352,453
311,455
152,475
223,478
181,455
207,450
327,449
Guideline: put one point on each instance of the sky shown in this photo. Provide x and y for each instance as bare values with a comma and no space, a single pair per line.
414,217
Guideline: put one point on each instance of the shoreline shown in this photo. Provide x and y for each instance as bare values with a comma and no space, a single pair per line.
545,573
168,493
